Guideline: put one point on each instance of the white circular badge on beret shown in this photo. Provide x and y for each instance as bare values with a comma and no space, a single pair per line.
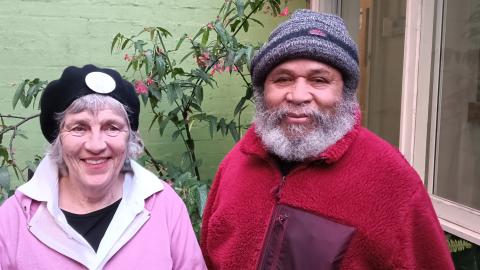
100,82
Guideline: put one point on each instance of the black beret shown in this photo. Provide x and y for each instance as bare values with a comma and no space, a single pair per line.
77,82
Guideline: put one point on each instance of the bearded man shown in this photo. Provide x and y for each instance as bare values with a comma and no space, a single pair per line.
308,187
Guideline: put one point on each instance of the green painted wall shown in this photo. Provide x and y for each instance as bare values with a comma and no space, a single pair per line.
39,38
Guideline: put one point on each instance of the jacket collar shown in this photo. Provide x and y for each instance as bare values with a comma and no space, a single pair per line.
43,186
252,144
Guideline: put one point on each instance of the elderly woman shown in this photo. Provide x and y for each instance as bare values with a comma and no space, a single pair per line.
89,205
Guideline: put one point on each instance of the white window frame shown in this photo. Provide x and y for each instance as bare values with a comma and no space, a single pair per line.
420,90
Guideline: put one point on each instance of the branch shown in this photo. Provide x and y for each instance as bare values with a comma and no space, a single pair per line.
154,162
254,10
14,127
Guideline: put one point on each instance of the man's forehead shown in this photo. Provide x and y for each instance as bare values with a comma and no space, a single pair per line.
296,65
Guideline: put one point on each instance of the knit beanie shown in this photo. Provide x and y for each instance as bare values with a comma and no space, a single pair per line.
309,35
77,82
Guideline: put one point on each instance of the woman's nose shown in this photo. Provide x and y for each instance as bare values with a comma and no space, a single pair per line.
95,142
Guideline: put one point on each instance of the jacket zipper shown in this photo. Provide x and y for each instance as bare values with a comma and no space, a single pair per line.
282,221
277,195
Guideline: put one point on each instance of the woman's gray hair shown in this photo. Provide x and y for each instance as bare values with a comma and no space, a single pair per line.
93,103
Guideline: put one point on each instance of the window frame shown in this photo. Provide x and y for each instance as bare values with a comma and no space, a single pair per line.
418,120
418,123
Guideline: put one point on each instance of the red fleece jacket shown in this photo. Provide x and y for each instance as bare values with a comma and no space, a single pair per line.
361,181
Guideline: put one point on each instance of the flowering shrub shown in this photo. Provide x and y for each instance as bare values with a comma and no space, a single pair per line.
164,82
178,84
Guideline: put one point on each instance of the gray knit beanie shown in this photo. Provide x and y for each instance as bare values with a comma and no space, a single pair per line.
310,35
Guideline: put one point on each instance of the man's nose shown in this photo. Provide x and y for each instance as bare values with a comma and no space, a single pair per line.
95,142
300,92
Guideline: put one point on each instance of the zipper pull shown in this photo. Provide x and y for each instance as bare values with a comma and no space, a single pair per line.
277,192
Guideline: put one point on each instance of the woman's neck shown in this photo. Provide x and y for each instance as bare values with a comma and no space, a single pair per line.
79,199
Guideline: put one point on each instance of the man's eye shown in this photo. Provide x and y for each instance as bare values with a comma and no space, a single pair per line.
282,80
318,80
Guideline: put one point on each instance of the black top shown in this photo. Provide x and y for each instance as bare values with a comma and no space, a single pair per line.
285,166
92,226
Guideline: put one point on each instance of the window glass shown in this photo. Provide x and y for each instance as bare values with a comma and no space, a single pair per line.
378,27
457,149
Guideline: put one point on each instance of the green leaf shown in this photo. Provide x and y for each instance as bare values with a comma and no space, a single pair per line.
114,41
257,21
202,198
222,126
234,25
161,66
19,93
238,56
153,121
239,106
164,31
180,41
171,93
177,133
200,32
240,8
179,90
249,53
232,127
203,76
186,56
222,33
162,124
245,26
139,45
149,61
205,37
228,10
177,71
155,92
212,123
124,44
4,178
196,106
21,133
198,92
144,99
185,158
3,152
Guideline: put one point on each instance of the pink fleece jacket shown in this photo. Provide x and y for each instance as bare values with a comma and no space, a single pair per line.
165,239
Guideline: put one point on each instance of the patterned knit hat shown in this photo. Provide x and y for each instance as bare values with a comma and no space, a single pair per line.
310,35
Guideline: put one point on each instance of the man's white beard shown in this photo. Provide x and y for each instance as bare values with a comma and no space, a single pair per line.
303,141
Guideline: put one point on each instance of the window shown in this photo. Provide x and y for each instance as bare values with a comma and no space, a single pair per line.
440,127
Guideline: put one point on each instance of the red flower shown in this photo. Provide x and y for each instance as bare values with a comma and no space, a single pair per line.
140,87
127,57
210,25
284,12
149,81
203,59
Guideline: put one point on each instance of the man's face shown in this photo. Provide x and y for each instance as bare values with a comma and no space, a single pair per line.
302,85
302,109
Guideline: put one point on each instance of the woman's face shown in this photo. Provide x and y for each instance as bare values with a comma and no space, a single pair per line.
94,147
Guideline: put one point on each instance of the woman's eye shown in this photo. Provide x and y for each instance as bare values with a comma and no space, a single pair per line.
78,130
112,131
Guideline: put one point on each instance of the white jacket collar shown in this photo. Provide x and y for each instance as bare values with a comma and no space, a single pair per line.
43,186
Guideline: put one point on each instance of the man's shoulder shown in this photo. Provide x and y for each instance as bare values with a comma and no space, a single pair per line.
375,145
370,149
